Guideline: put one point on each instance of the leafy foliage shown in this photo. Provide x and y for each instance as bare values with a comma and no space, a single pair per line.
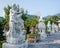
24,14
52,19
0,45
34,21
1,29
46,22
31,22
7,12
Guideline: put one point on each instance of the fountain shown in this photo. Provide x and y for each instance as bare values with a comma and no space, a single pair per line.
15,37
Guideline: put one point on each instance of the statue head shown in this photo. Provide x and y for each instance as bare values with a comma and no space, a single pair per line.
14,6
48,22
17,8
40,18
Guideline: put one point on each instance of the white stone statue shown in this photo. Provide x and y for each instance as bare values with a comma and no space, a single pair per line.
56,28
49,27
16,24
15,35
42,28
40,18
53,28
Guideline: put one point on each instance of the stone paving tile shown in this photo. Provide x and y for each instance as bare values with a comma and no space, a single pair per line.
55,36
53,39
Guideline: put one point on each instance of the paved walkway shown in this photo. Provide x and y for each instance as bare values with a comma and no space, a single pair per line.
54,38
52,41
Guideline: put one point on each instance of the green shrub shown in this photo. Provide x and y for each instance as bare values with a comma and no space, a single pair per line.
0,45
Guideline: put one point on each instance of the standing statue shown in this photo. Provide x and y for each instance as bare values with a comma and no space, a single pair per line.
16,25
54,28
15,35
49,27
42,29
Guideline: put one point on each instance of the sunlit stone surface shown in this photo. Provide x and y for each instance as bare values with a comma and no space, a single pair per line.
15,37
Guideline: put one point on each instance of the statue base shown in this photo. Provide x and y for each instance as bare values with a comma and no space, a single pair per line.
8,45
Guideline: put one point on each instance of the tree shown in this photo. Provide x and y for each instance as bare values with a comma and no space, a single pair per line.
53,19
34,21
28,24
1,28
46,22
31,23
24,14
7,12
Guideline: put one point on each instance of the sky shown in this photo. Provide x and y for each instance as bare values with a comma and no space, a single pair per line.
34,7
